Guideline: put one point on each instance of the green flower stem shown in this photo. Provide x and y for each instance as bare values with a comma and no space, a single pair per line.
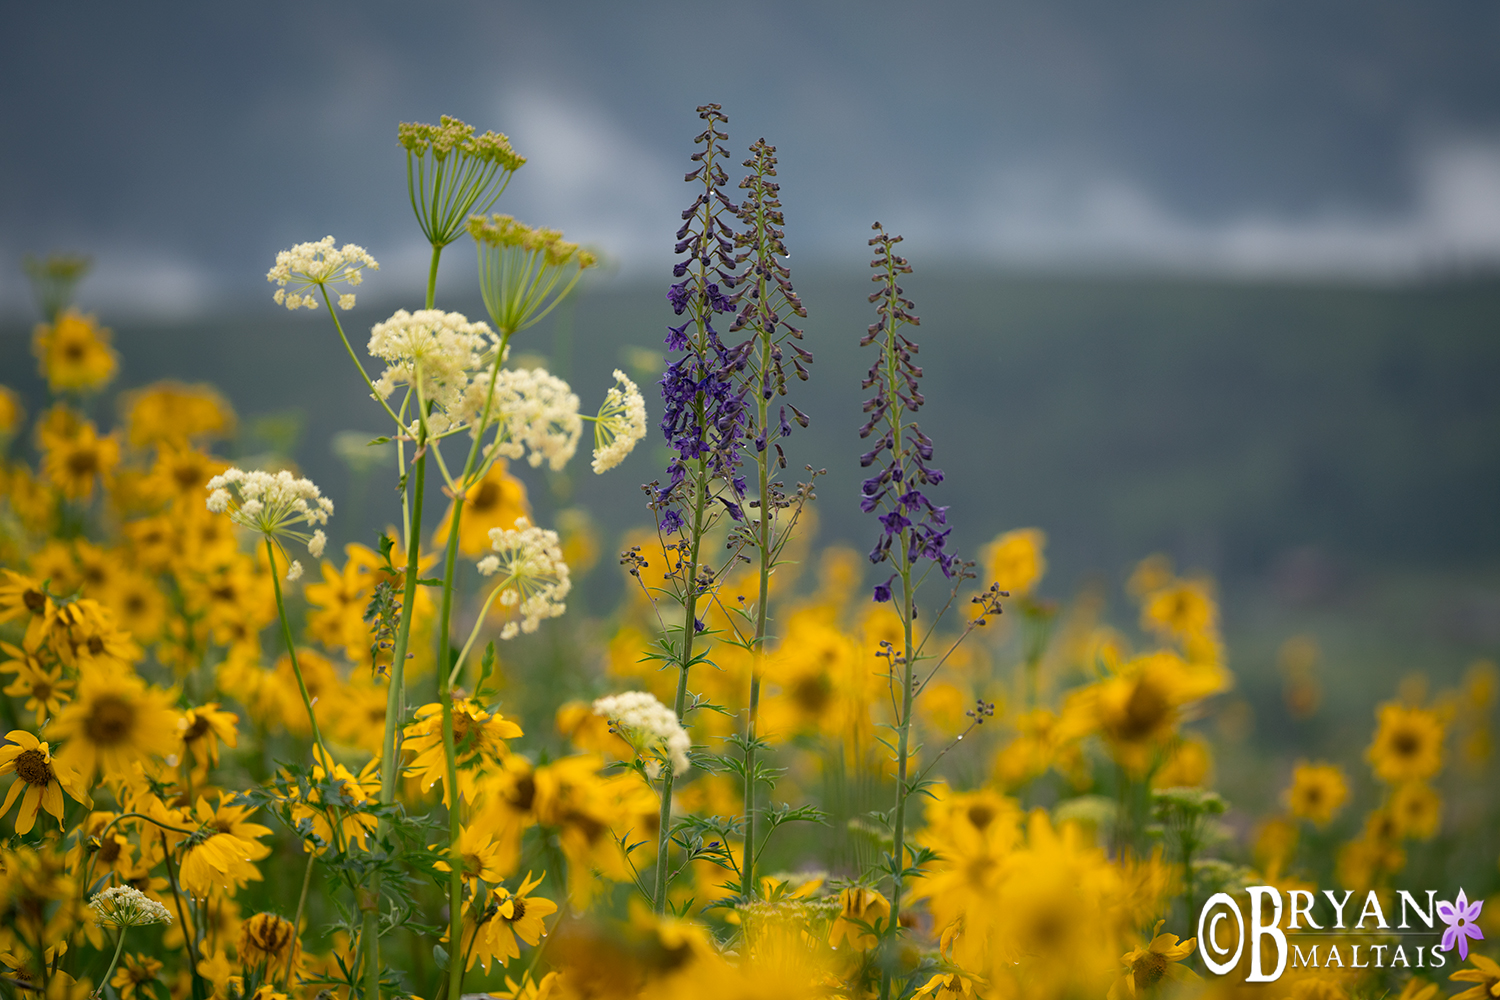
291,648
201,989
758,653
689,633
355,358
437,251
112,962
395,709
286,978
908,601
450,760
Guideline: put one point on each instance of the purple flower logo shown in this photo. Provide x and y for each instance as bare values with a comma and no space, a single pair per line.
1460,915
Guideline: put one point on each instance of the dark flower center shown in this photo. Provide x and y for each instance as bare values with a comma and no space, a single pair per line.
83,462
1149,970
34,600
32,767
486,497
111,721
812,694
524,794
517,909
1405,743
197,729
1144,712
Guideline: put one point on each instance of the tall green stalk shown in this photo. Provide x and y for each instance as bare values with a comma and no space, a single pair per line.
291,649
450,761
395,703
684,663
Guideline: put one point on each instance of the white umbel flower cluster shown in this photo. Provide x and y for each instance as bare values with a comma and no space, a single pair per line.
535,415
126,906
312,265
648,726
272,503
534,578
445,347
621,423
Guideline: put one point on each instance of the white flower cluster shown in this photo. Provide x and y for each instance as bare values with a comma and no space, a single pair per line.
309,265
126,906
532,412
648,726
621,423
444,347
535,577
270,504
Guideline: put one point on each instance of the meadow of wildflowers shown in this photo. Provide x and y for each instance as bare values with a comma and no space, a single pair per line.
238,764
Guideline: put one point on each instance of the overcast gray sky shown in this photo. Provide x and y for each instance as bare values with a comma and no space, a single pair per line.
184,144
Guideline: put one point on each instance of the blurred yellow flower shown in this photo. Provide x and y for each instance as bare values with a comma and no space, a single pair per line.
493,502
1408,744
170,412
1317,793
74,353
12,413
44,688
1189,764
1014,560
114,721
134,972
1417,809
1182,608
73,463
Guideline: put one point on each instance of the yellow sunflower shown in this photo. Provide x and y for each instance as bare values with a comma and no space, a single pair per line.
1408,744
225,858
859,907
477,736
1417,810
139,604
1014,560
41,777
172,413
114,721
516,915
75,462
493,502
12,413
267,940
482,856
74,353
1318,792
1183,607
1154,964
1486,976
45,689
153,541
203,729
